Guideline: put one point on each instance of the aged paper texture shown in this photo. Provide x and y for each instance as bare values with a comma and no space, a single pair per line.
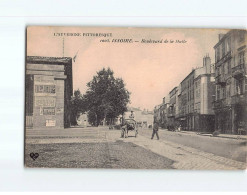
135,98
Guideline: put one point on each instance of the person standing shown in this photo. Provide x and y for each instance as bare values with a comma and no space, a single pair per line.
132,115
155,130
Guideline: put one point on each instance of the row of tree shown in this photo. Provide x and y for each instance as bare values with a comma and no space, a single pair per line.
106,98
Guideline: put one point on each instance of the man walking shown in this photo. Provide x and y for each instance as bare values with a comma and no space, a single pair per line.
155,130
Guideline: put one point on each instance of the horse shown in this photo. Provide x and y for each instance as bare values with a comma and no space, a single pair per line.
130,124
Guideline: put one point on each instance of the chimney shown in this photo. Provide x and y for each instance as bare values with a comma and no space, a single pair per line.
207,63
164,100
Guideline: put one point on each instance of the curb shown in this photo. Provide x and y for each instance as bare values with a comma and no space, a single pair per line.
220,136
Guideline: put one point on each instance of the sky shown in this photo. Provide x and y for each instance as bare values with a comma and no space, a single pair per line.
149,70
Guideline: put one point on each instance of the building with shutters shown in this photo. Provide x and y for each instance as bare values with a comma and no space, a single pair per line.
231,83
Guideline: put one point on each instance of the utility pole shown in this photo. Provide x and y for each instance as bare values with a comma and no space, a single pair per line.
63,46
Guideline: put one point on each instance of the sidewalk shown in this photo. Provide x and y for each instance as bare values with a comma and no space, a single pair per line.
186,158
229,136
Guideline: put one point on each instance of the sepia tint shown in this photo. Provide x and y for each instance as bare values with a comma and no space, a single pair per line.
135,98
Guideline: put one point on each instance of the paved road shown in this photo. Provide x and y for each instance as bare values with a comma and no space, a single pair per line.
103,148
229,148
89,148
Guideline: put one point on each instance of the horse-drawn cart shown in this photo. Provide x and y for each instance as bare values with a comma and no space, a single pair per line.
129,125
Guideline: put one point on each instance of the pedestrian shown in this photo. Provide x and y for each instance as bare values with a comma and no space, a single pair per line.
132,115
123,127
155,130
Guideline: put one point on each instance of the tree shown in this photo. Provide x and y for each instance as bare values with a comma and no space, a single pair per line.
78,104
106,97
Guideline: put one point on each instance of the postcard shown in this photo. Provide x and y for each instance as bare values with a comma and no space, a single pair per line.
135,98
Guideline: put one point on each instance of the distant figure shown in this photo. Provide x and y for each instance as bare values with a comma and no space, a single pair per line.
132,114
155,130
123,127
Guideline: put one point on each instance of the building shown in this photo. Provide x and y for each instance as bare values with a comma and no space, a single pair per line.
147,118
194,97
187,102
157,113
142,117
161,112
164,123
178,103
231,84
48,92
204,93
180,115
173,108
82,120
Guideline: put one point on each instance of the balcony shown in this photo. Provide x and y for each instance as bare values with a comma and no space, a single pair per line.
225,58
169,115
220,80
238,99
238,71
219,103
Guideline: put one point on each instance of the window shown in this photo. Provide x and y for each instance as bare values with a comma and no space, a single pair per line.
223,93
223,69
223,48
218,53
241,35
217,92
245,85
197,93
217,72
229,66
228,91
228,44
239,87
241,57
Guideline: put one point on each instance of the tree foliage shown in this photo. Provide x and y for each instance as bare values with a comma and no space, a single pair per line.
78,104
105,98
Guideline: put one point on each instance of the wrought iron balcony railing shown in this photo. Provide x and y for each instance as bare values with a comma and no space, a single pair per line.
219,103
239,98
238,71
226,57
220,80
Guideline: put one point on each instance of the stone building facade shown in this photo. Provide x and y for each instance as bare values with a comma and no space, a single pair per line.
204,93
231,84
161,112
190,104
48,92
172,109
187,102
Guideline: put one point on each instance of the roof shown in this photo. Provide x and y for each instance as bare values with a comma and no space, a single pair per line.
134,109
224,37
49,60
193,70
175,88
207,75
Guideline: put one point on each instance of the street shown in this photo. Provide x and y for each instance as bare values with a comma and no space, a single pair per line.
99,147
